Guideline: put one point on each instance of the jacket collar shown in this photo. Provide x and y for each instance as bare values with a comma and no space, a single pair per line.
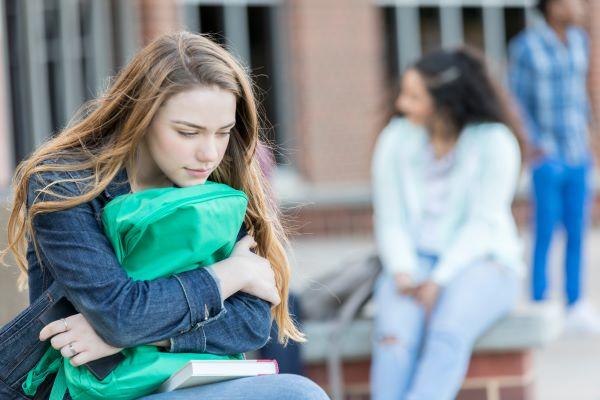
118,186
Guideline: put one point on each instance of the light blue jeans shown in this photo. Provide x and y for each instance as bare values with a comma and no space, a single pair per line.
416,357
267,387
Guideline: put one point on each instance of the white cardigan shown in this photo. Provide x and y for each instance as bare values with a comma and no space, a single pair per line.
479,225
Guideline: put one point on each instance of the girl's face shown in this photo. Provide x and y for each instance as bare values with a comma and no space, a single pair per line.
187,138
414,100
570,12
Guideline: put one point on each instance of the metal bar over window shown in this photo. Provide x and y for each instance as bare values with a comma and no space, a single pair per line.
451,25
236,30
494,32
408,35
102,55
70,58
37,73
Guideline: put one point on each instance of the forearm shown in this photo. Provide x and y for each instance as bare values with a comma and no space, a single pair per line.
185,304
390,187
396,249
490,218
115,304
231,280
244,327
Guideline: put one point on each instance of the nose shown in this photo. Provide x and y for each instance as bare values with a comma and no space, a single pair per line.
206,149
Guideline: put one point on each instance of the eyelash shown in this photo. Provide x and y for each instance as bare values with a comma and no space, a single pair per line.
188,134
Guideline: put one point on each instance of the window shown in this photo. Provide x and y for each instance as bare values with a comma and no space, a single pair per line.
60,54
413,27
429,21
472,18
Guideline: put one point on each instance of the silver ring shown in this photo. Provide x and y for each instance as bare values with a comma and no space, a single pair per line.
72,350
64,321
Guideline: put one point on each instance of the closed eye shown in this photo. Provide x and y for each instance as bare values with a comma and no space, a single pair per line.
186,134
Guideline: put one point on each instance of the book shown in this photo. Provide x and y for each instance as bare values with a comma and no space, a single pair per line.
201,372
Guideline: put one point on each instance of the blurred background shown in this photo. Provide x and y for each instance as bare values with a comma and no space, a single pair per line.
327,73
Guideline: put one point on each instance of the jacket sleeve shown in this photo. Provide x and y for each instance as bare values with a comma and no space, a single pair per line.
124,312
244,326
395,246
521,81
493,193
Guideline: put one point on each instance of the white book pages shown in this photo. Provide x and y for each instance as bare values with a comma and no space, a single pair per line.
202,372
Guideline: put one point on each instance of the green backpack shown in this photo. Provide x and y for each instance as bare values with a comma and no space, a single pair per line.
155,233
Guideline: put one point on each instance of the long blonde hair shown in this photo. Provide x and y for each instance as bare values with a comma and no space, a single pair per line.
105,140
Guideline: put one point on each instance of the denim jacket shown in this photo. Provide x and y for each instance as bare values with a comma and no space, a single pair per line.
78,262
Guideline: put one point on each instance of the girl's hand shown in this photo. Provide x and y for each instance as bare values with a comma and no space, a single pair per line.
427,294
404,283
260,278
75,338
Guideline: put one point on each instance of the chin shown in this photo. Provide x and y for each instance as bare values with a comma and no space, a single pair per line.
189,182
415,121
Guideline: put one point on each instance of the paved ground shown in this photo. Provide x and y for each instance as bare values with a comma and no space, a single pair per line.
567,369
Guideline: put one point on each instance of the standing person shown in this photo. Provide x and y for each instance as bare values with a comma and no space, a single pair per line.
180,112
444,178
547,75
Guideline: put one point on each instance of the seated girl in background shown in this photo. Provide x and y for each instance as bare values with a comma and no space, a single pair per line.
444,177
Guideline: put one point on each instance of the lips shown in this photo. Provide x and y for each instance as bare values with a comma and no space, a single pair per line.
200,172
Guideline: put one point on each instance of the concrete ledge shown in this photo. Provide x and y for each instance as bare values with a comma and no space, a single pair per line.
500,368
294,191
527,327
491,376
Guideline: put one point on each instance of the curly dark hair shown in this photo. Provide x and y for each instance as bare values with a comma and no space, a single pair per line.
463,91
542,6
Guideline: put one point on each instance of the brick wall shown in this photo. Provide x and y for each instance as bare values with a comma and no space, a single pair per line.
349,219
335,59
491,376
594,29
158,17
594,81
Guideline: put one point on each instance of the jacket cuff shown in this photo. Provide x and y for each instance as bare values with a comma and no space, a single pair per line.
190,342
203,296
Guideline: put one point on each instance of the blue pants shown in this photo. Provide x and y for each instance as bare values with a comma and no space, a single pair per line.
267,387
561,195
420,358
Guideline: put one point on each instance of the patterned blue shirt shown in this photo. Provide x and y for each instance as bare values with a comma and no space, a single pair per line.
548,77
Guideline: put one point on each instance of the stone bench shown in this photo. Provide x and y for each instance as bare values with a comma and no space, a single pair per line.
501,367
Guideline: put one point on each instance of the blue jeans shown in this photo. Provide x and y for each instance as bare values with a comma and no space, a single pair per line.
267,387
418,357
561,195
